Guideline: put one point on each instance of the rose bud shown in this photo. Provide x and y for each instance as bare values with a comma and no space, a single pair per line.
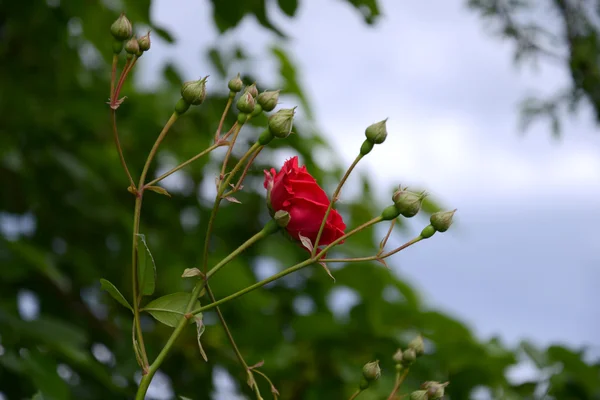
408,357
294,190
441,221
397,357
280,123
435,390
252,90
371,371
246,103
132,46
268,100
194,92
407,203
144,42
417,345
235,84
121,29
419,395
377,132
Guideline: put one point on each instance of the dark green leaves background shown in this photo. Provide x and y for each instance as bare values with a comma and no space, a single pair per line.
58,165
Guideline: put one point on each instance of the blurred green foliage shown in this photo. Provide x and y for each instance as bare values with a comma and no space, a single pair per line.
61,182
559,32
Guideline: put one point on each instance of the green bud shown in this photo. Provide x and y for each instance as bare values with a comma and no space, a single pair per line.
257,110
265,137
364,384
242,118
144,42
435,390
441,221
268,100
397,357
427,232
408,357
246,103
417,345
371,371
235,84
366,147
280,123
194,92
181,106
419,395
117,46
132,46
376,133
390,213
252,90
407,203
121,29
282,218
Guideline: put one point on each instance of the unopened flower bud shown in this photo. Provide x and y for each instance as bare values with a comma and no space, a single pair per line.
417,345
132,46
121,29
245,103
377,132
419,395
435,390
194,92
144,42
282,218
408,357
235,84
268,100
407,203
371,371
441,221
252,90
397,357
280,123
427,232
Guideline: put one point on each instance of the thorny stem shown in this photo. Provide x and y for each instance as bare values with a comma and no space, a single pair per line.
399,379
289,270
236,132
126,69
136,230
375,257
387,236
232,341
113,75
186,163
333,200
113,114
222,121
189,313
244,173
355,394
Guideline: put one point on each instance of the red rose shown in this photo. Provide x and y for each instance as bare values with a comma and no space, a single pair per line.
294,190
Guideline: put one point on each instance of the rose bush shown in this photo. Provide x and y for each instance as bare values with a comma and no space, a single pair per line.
293,189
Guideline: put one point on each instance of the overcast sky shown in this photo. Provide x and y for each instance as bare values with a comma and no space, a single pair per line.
521,261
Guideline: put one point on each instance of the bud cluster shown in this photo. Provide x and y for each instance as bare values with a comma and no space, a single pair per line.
122,32
406,358
430,390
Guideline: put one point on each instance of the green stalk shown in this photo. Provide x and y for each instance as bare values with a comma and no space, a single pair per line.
333,200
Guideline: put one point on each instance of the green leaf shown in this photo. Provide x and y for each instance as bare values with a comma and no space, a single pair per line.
114,292
159,190
146,267
170,309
